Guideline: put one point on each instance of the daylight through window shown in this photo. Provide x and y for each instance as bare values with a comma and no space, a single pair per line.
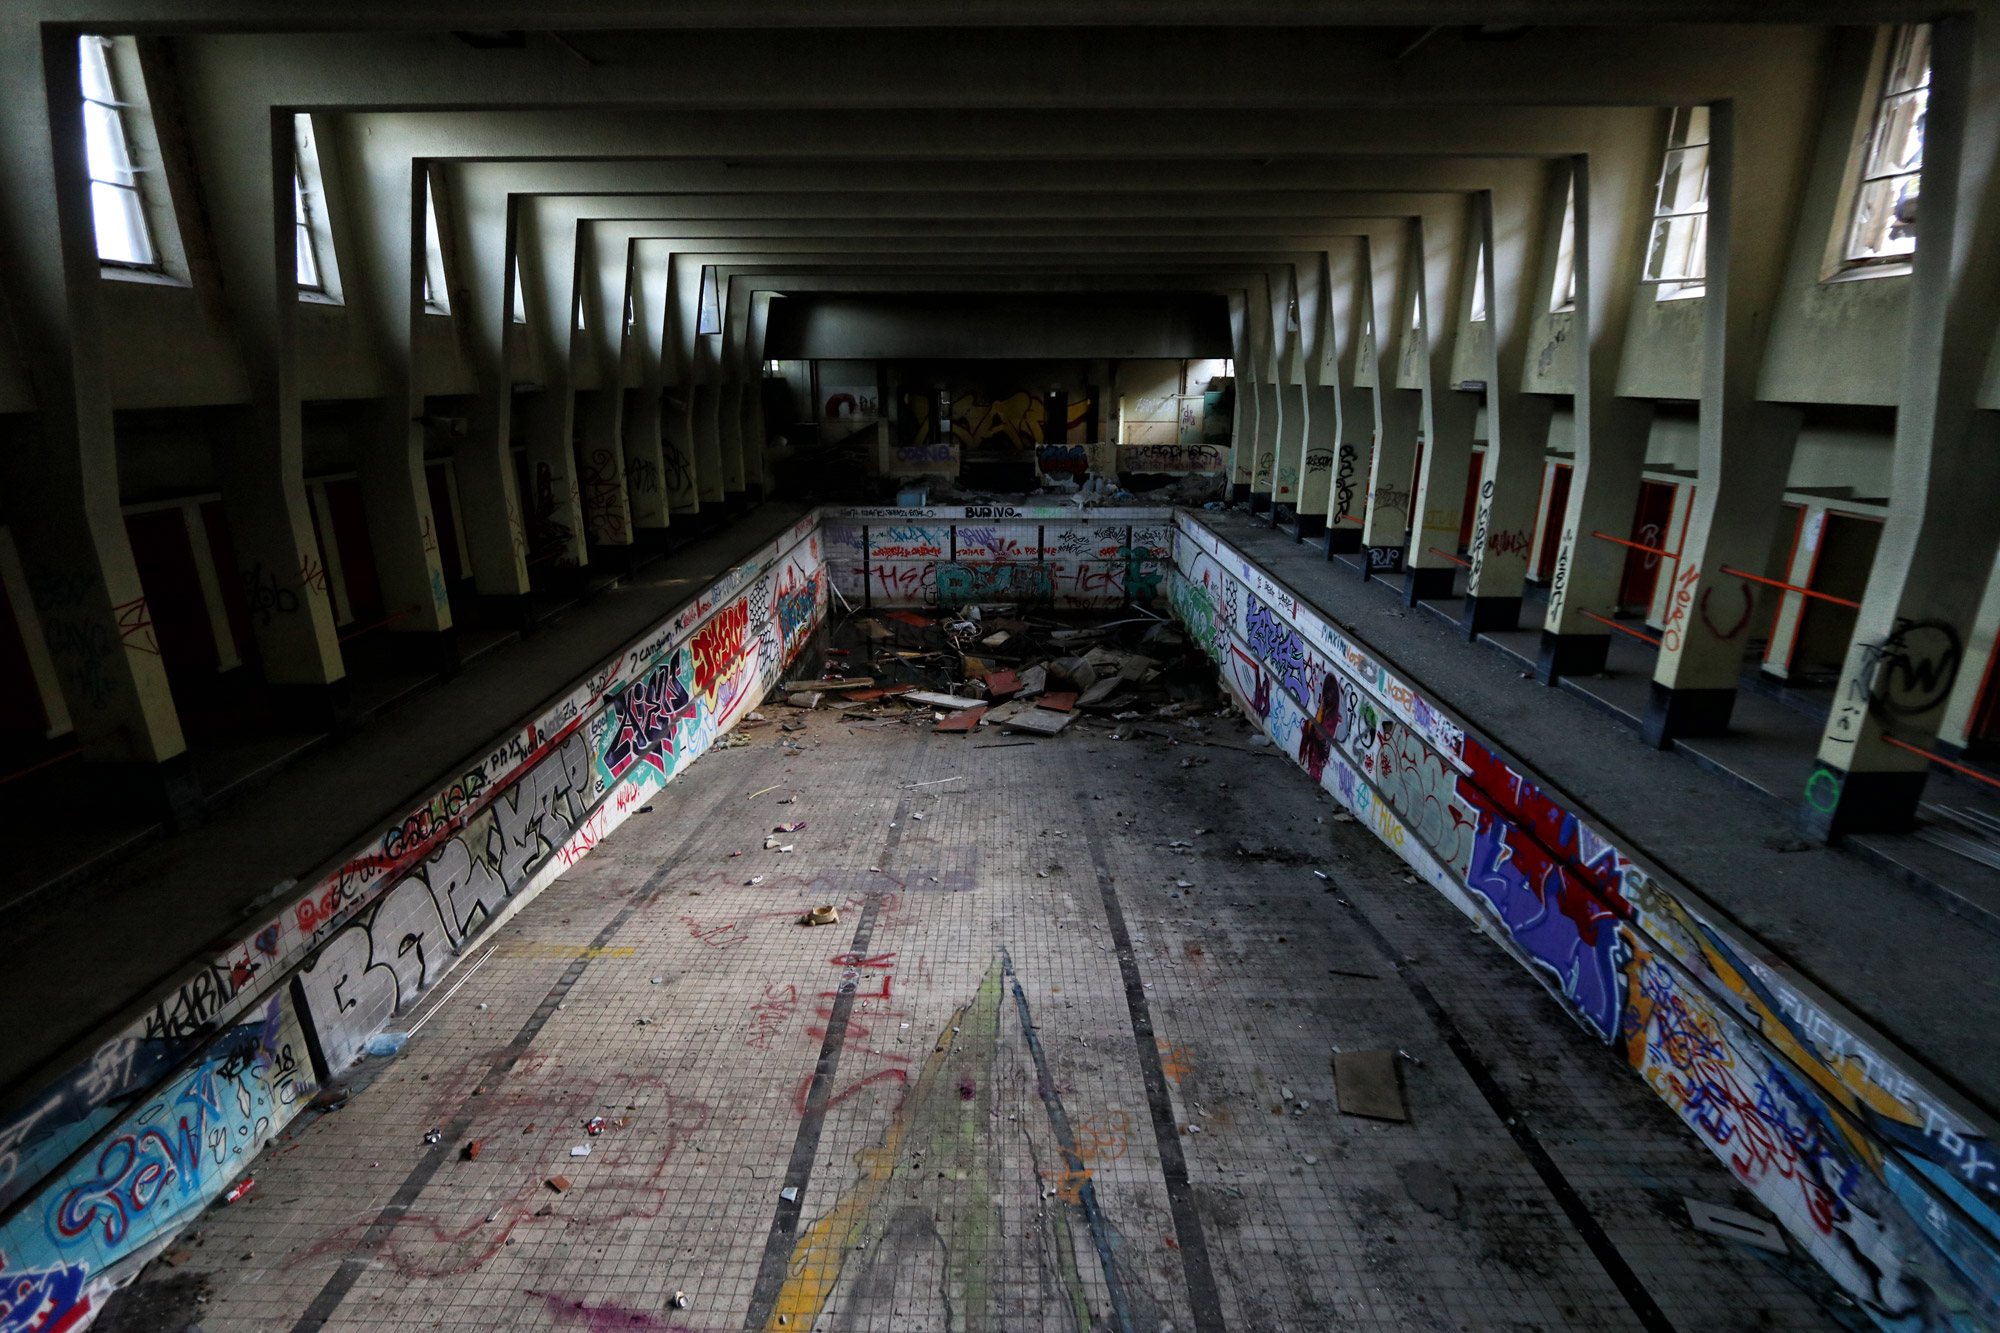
1885,203
1562,292
1479,288
1677,258
115,202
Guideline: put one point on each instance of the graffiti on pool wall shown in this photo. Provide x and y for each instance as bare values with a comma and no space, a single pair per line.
962,584
1806,1113
175,1150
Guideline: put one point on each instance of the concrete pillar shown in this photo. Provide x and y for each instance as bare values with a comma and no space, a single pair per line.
1399,418
387,285
554,503
1242,433
1450,412
645,463
1938,543
600,464
1322,439
213,599
1264,450
729,435
1354,453
1517,423
1746,445
704,427
677,451
59,467
491,520
1614,199
1288,466
248,174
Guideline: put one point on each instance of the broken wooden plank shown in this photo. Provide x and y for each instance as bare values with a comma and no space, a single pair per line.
853,683
1369,1084
1002,684
1062,703
1041,721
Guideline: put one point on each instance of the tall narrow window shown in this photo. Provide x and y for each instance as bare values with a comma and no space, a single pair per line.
308,251
1884,229
117,207
437,300
1677,259
520,297
709,316
1479,287
308,215
1562,292
579,310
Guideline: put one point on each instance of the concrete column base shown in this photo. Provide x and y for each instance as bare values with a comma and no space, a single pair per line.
1343,541
1239,491
328,707
1311,525
735,503
1426,584
1838,803
1672,713
1570,655
1484,614
1260,503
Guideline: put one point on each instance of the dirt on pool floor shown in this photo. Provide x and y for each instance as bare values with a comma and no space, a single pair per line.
1065,1062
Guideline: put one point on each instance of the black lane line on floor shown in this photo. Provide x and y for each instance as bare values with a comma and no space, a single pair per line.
1204,1301
1086,1193
777,1262
1649,1314
358,1262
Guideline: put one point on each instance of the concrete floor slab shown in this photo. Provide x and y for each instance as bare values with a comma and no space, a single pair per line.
1028,1082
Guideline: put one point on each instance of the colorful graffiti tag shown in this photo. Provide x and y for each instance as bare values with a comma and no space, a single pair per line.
1886,1186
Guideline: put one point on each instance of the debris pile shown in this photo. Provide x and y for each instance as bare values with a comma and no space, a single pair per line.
983,668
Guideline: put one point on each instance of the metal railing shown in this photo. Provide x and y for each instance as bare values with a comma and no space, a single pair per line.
1622,629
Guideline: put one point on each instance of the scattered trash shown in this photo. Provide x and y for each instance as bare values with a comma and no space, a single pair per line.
1042,722
1733,1225
754,879
642,1022
790,1194
916,816
387,1043
656,981
580,1150
799,827
1369,1083
1322,874
594,1126
826,915
680,1300
238,1190
470,1152
647,809
806,699
560,1184
1411,1058
433,1136
175,1258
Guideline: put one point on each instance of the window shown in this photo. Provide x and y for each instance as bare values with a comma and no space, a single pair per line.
1884,229
117,207
314,269
1479,287
520,297
579,310
437,301
308,250
1562,292
1677,258
708,318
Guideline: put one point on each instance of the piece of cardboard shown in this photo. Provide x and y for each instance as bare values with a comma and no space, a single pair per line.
1369,1084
